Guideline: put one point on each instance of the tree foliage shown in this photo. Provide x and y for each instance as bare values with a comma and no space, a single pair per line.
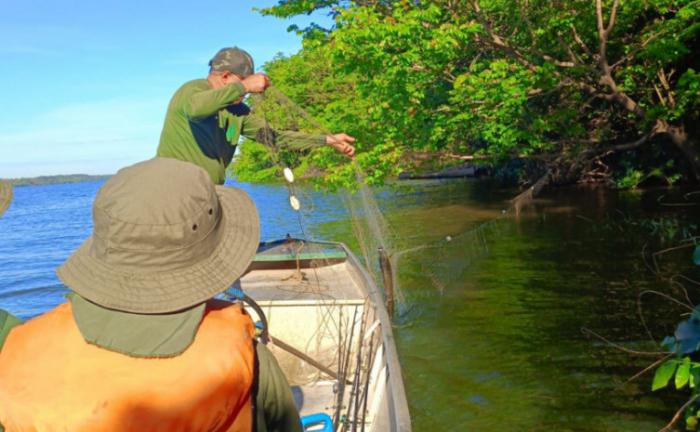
585,90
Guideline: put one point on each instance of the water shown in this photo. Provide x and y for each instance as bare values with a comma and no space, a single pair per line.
499,345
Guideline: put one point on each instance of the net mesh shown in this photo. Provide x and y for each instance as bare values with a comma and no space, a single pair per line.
347,338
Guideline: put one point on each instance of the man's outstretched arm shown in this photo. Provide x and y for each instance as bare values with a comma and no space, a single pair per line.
254,128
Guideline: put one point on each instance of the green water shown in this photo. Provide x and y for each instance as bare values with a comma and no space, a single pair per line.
497,343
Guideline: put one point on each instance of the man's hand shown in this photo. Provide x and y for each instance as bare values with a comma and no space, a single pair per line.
343,143
256,83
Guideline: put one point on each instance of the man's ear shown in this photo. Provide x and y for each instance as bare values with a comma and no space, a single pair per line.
225,76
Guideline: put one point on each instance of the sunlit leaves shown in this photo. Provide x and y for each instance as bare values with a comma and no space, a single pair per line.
683,373
663,374
430,77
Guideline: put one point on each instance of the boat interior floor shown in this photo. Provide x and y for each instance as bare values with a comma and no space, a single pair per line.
330,283
315,398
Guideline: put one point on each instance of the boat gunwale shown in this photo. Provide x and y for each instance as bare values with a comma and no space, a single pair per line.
399,402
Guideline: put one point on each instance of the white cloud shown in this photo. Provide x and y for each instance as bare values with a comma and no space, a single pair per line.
76,138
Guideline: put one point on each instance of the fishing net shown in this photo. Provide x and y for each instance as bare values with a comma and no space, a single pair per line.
346,342
373,236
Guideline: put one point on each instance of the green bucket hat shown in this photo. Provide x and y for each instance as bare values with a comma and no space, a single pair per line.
165,240
5,196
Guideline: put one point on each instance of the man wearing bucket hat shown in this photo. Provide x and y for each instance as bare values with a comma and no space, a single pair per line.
206,117
141,344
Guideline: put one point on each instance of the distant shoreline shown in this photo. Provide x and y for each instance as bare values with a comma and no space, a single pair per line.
56,179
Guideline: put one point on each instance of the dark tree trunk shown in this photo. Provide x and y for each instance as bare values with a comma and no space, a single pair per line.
683,142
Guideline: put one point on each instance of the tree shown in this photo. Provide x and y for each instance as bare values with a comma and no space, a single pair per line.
583,90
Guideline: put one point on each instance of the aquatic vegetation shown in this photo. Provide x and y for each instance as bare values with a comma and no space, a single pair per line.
684,369
682,366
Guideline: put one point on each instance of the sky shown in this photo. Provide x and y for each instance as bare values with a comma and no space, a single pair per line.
84,85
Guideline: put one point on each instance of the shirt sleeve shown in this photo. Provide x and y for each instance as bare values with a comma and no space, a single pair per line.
254,128
7,322
206,103
275,409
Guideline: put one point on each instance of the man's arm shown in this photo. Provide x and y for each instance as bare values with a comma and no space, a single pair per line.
206,103
254,128
7,322
275,410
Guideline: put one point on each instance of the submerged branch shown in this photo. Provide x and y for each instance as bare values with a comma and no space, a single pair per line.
679,413
525,197
667,297
647,369
622,348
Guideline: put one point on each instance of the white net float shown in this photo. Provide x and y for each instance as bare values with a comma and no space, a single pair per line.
294,202
288,174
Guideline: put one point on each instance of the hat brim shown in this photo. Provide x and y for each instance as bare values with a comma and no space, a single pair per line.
164,292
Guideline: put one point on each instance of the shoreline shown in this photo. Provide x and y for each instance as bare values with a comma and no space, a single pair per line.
55,179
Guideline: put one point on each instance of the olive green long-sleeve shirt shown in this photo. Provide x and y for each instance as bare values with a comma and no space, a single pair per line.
203,126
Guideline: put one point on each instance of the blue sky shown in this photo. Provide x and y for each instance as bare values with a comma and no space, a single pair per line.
84,84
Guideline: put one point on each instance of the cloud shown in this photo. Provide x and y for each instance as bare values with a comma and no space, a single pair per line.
107,133
35,39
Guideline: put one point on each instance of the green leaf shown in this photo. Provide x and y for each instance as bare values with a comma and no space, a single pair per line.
683,373
663,374
694,375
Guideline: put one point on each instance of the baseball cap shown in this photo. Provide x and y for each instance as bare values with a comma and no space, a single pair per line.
234,60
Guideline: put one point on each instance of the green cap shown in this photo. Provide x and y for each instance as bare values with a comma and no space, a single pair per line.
234,60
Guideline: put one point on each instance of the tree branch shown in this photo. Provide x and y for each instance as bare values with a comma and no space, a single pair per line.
664,82
499,42
606,151
678,414
613,15
502,43
602,41
524,198
580,42
634,52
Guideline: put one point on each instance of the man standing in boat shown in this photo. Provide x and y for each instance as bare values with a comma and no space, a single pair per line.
206,117
141,344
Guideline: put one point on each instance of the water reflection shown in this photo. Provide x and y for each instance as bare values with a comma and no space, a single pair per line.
502,347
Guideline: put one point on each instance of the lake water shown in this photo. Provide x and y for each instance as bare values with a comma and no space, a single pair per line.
490,334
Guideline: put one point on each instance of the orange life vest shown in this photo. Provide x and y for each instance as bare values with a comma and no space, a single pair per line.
52,380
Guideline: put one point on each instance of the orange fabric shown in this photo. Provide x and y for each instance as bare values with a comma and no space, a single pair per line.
52,380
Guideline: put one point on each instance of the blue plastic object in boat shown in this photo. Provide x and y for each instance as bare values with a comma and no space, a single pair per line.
311,422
